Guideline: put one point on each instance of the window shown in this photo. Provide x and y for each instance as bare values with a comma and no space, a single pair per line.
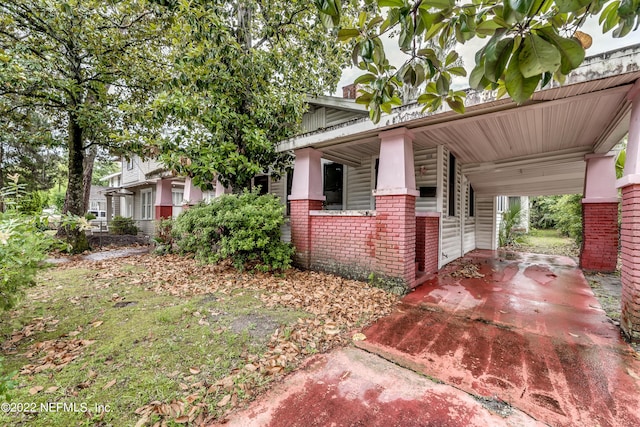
472,202
262,181
147,204
177,197
333,185
129,164
514,202
451,197
289,186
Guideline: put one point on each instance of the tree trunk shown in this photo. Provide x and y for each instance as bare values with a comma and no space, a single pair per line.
1,174
74,200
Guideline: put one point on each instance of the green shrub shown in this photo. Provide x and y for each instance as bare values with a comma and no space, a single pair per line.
164,236
509,233
122,225
23,246
567,213
242,227
89,216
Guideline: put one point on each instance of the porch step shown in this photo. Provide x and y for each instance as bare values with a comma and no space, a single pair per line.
421,277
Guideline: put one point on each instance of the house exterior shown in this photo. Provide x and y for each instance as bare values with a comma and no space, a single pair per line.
421,189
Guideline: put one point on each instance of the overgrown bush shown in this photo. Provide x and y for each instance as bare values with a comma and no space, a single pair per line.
122,225
509,233
23,246
164,236
567,213
242,227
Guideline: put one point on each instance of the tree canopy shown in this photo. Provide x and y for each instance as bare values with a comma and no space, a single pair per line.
527,43
85,64
239,85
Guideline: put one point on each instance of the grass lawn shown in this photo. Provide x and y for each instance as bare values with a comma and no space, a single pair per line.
548,242
147,339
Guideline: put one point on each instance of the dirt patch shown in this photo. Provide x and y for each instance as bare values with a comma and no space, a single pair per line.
607,288
103,241
258,326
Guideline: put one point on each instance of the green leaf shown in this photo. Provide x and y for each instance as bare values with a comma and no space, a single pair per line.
390,3
497,56
519,87
522,6
571,51
426,98
451,58
458,71
456,105
488,27
347,34
442,84
438,4
476,77
365,78
568,6
537,56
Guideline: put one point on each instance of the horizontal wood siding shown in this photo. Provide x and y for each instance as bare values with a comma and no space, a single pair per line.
425,162
314,120
451,232
484,222
359,186
278,188
334,116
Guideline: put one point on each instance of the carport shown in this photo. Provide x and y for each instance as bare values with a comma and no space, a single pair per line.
559,142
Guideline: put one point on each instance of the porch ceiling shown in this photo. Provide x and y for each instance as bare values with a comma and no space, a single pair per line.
530,149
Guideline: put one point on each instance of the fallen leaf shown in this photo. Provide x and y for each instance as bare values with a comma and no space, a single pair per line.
224,401
109,384
51,389
183,386
182,420
194,370
98,323
35,389
359,337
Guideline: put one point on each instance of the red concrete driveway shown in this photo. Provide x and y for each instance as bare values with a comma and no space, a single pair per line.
523,343
526,330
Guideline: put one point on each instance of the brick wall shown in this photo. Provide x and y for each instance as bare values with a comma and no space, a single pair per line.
599,237
300,229
427,230
630,275
343,244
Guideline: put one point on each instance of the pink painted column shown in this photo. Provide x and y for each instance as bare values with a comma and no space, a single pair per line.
164,202
599,250
630,232
306,195
221,189
192,194
396,208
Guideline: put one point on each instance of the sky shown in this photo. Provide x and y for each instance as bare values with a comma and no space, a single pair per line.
601,43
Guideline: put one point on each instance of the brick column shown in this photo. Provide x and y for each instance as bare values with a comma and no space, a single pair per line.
306,195
396,208
599,250
630,233
164,202
427,235
396,237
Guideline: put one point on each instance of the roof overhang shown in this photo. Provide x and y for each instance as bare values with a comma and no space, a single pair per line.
534,148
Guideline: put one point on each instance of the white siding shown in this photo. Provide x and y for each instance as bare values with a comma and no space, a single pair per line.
425,162
139,169
278,188
313,120
451,229
334,116
359,185
485,215
469,240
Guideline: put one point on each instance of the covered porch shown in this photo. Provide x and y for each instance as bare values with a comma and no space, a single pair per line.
420,188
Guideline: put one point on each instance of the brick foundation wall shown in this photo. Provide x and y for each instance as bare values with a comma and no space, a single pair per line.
343,244
630,274
300,229
427,230
396,237
599,237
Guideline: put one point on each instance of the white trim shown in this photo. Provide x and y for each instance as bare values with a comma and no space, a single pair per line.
628,180
428,214
147,192
395,192
587,200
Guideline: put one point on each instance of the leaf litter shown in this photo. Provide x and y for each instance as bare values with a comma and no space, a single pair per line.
337,306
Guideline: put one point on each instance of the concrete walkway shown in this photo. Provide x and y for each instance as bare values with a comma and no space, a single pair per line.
517,328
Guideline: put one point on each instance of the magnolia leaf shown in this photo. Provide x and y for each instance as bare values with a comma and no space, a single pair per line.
390,3
571,51
456,105
537,56
568,6
496,57
439,4
347,34
522,6
520,88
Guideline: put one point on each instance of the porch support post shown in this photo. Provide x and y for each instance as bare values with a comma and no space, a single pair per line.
630,233
599,250
109,208
396,208
306,195
221,189
192,194
164,202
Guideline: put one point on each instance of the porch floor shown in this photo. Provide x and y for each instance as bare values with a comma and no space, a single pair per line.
522,328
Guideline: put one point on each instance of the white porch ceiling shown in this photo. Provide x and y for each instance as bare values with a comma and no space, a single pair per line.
532,149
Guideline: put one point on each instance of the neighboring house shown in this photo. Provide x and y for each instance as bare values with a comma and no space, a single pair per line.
504,203
98,202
